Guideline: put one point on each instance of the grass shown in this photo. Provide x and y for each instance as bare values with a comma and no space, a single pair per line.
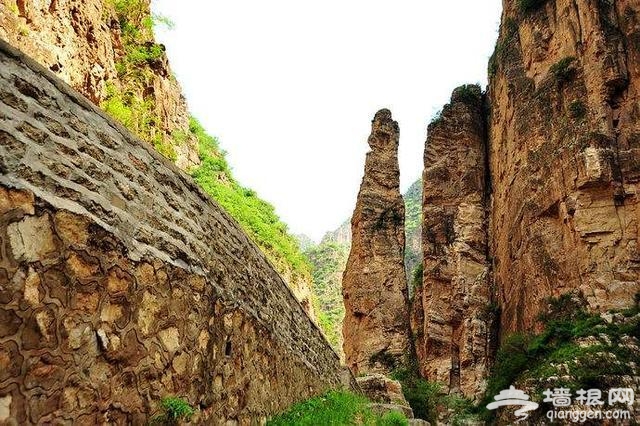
538,357
336,408
257,217
174,411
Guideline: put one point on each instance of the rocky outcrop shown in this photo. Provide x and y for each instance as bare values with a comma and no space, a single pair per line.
374,284
385,395
564,156
451,321
122,282
82,42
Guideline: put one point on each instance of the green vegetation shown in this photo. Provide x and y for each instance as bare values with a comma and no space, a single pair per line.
128,100
562,70
412,223
328,261
469,93
427,398
556,349
336,408
423,396
504,46
416,276
257,217
530,6
578,110
174,411
131,100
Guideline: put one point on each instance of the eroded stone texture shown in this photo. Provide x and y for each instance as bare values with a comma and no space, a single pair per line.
80,41
564,156
376,324
107,306
449,317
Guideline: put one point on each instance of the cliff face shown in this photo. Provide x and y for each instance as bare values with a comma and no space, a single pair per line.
122,282
374,283
106,50
450,320
559,211
90,45
564,156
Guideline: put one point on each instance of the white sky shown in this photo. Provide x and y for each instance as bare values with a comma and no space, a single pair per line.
290,86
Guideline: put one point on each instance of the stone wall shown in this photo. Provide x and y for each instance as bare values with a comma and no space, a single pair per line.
564,138
121,282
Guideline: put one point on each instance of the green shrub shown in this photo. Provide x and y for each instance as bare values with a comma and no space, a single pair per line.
562,70
174,410
538,356
530,6
423,396
416,278
468,93
393,418
578,110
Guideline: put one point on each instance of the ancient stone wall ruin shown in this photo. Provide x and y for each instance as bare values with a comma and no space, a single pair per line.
121,282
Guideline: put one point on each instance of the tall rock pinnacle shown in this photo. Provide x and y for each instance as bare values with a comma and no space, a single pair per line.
376,324
451,317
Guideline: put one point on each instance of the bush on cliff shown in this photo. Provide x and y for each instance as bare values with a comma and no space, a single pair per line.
575,350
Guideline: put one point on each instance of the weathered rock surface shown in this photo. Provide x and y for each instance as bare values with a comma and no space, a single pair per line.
121,282
450,316
376,324
385,394
564,156
81,42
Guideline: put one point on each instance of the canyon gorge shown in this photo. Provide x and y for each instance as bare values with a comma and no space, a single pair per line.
135,267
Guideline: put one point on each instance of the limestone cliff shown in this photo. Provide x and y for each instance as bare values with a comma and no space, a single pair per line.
374,284
542,203
564,155
449,317
106,50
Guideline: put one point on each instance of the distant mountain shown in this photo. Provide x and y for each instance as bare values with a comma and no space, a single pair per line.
342,235
304,241
413,229
328,260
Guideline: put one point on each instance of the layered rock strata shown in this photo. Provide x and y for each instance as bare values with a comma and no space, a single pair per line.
376,326
451,318
564,155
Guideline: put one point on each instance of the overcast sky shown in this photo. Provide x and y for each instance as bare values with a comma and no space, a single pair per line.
290,86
